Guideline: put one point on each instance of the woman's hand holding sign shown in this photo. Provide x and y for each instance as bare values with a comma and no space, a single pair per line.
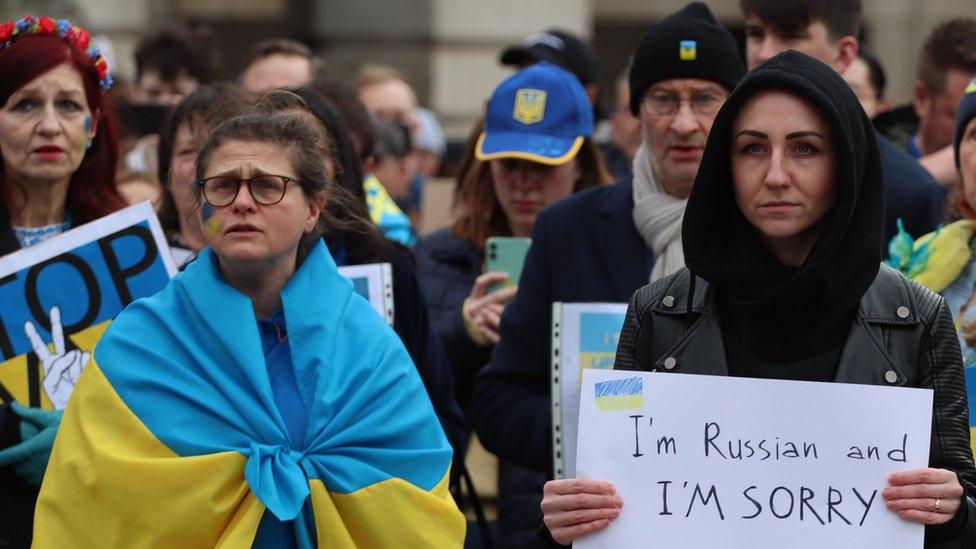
61,368
575,507
925,496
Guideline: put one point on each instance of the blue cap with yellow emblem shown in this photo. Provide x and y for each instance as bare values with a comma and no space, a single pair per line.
540,113
965,113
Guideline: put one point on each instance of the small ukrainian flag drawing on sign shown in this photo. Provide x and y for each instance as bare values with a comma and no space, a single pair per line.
971,87
688,50
530,106
619,394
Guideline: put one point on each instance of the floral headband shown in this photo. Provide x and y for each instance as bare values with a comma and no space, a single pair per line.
76,37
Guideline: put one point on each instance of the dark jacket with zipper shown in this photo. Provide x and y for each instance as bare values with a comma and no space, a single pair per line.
902,335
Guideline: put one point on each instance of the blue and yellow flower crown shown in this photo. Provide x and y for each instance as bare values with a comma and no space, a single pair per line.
76,37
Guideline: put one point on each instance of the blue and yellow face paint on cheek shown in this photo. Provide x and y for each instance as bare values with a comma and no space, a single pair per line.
86,139
209,219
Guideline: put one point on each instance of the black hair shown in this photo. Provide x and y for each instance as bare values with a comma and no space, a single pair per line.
392,139
841,17
173,50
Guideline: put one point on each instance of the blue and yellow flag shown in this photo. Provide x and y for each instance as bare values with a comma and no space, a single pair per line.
385,213
173,438
937,260
619,394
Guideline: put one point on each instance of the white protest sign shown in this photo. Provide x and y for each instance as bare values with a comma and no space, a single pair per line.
712,461
373,281
584,335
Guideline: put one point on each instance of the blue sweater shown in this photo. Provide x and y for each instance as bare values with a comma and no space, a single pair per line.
274,533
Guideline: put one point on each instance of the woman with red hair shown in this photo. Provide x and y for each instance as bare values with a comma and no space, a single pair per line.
58,154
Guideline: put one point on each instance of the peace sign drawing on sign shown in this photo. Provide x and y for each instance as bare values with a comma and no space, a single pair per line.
61,369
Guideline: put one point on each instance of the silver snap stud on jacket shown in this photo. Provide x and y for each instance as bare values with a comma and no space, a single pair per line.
891,376
902,312
670,363
668,301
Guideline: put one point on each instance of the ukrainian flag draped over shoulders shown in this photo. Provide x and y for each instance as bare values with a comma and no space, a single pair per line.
173,439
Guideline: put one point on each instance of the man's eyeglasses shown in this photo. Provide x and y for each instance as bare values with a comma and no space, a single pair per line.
222,190
668,104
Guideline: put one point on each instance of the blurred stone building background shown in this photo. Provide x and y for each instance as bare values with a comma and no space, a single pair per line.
449,48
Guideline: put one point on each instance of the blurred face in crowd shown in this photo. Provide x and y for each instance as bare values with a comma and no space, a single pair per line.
45,128
152,88
183,169
937,111
427,162
763,41
391,100
626,127
967,162
675,117
246,234
858,77
277,71
524,188
395,174
139,190
783,169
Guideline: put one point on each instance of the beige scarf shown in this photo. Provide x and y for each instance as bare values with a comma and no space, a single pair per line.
657,216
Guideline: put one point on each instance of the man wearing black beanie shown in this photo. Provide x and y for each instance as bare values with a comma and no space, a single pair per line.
601,245
686,44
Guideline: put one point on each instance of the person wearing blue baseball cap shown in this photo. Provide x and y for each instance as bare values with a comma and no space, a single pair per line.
534,149
603,244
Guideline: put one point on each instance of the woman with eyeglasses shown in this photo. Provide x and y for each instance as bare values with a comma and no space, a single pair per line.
257,401
782,236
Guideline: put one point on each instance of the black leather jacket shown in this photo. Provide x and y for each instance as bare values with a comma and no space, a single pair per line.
902,335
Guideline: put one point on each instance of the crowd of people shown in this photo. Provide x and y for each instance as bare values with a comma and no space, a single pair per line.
766,213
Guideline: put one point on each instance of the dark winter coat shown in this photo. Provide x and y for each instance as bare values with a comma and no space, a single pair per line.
585,248
447,266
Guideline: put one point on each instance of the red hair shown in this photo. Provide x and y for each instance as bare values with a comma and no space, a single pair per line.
91,192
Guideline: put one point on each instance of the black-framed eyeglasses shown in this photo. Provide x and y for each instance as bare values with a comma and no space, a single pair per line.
668,104
266,189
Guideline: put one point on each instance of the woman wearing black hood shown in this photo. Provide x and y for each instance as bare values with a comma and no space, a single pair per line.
782,236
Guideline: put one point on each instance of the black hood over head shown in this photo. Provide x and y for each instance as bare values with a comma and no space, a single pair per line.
790,313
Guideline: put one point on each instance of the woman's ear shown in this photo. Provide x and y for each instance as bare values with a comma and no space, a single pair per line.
92,125
315,206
